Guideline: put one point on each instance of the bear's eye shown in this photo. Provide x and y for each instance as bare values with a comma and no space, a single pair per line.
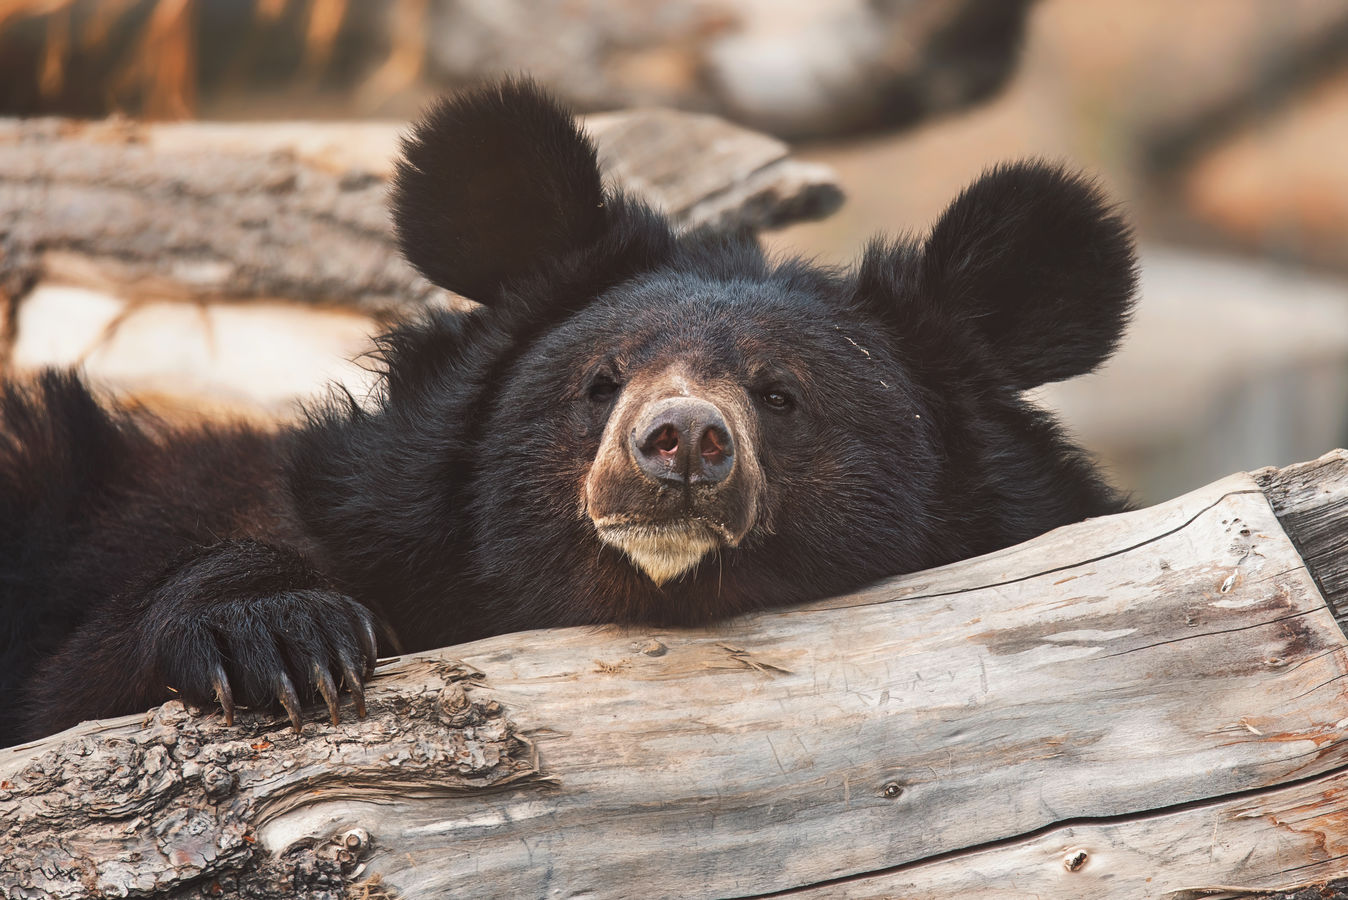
777,399
603,389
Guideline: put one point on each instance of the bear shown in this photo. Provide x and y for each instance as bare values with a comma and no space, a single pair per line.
633,425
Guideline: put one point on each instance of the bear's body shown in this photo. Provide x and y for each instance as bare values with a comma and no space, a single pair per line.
636,426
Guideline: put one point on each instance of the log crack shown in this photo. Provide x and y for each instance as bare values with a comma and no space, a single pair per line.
1246,800
873,598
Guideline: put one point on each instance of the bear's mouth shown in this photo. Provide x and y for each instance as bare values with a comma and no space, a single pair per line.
664,550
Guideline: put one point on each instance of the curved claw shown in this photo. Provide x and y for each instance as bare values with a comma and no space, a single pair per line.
326,687
223,693
351,678
324,682
285,692
369,646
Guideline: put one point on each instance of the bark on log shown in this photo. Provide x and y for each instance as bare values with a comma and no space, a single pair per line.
1149,705
297,211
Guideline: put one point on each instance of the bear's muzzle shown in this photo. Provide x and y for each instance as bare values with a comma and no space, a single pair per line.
676,476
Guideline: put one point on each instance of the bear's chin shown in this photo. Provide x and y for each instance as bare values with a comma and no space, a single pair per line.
663,551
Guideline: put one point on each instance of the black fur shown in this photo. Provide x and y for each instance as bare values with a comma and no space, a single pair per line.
523,189
136,559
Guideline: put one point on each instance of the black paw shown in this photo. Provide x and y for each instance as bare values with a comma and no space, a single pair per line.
269,651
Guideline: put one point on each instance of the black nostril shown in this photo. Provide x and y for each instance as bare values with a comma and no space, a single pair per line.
683,440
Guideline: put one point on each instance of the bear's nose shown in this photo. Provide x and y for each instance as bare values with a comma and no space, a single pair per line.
683,440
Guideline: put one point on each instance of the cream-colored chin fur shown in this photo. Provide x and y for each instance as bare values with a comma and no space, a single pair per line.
663,552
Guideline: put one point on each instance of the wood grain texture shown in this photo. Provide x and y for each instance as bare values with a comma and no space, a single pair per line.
703,171
1311,501
1162,691
1221,850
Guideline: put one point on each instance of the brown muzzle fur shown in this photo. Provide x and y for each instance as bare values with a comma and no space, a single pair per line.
677,474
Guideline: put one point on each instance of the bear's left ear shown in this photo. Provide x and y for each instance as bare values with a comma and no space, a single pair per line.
493,184
1035,265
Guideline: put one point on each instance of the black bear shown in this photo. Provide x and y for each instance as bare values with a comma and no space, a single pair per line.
636,425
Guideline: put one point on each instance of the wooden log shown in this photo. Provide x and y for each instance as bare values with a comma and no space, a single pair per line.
1149,705
297,211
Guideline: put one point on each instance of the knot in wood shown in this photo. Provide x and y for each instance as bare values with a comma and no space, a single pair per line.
453,699
216,781
1074,860
892,790
455,709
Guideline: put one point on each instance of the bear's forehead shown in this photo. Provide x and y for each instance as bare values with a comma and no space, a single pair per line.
745,331
735,317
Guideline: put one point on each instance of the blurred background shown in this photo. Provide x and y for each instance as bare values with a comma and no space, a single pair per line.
201,265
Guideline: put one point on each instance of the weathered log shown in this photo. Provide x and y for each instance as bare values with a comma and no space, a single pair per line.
298,212
1141,706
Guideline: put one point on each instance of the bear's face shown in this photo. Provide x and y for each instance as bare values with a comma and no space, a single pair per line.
691,417
639,425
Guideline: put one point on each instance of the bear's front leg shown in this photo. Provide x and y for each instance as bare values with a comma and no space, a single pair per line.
235,622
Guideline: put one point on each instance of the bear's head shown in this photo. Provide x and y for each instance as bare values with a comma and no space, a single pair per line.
642,425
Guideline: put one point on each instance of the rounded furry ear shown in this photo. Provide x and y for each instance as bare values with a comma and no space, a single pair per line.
1036,264
492,184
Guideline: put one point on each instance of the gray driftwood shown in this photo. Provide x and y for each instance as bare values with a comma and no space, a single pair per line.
298,211
1150,705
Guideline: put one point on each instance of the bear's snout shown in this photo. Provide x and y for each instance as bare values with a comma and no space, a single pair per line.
683,441
676,476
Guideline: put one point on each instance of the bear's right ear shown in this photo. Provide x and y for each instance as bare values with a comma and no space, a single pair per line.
492,184
1031,263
